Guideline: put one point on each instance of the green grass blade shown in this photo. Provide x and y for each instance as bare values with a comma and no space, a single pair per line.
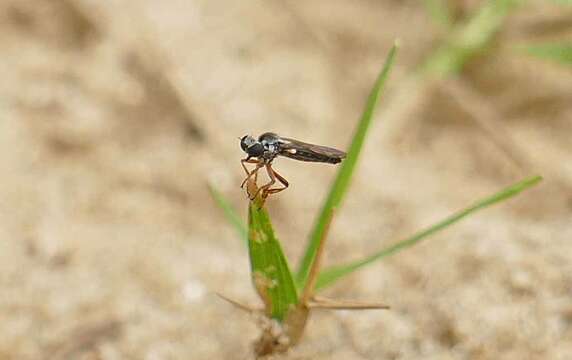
330,275
342,181
270,272
561,53
439,11
230,213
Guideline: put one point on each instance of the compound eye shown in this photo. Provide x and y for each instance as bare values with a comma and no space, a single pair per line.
255,150
244,142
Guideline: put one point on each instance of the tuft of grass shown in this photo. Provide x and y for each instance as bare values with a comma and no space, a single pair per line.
342,180
289,299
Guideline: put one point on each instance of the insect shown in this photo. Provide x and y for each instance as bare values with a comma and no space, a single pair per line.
268,146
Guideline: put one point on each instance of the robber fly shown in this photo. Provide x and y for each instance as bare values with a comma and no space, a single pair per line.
269,145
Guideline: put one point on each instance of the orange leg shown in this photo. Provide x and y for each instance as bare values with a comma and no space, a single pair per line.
266,190
281,179
250,173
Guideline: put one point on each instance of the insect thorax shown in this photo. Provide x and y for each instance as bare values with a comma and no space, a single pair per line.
271,149
270,152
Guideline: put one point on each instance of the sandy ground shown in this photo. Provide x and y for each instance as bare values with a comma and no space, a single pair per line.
114,116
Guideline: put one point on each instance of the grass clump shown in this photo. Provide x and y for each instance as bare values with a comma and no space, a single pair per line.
288,298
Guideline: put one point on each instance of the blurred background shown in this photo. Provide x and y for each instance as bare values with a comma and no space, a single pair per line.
115,115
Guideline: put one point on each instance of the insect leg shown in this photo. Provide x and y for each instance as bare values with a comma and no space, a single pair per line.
281,179
250,173
250,161
264,187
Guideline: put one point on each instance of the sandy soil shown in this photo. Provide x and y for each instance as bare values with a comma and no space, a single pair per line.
114,116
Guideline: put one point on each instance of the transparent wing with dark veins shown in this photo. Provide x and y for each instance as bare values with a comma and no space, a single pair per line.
302,151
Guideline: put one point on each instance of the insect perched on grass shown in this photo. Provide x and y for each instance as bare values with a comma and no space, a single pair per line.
269,145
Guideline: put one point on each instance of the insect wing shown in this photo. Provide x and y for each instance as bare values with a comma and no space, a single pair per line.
302,151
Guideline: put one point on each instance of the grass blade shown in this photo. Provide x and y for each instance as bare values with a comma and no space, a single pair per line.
341,183
330,275
270,272
230,213
561,53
